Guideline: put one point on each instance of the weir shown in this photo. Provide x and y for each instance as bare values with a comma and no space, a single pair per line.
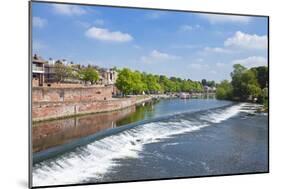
96,153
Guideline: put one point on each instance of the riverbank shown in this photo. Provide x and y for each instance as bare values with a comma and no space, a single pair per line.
56,103
43,111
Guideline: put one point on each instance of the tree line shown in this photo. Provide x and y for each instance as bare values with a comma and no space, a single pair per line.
135,82
245,85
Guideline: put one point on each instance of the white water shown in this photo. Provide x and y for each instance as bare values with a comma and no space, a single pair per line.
96,159
219,116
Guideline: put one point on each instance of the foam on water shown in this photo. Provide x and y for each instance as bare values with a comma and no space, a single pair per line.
92,161
219,115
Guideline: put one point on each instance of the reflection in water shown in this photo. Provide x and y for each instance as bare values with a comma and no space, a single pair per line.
53,133
57,132
143,111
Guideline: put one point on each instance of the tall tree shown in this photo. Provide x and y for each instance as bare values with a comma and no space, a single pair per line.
89,74
204,82
224,90
61,71
236,82
262,76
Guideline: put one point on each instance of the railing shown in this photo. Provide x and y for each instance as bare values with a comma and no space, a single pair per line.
37,68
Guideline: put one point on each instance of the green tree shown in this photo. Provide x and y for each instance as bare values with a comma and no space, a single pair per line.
236,82
138,86
211,83
130,82
61,71
89,74
262,75
224,90
166,84
152,83
249,85
124,81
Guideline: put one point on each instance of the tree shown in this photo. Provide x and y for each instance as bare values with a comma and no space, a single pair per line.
61,71
204,82
249,85
130,82
245,83
262,75
224,90
152,83
236,82
211,83
89,74
138,86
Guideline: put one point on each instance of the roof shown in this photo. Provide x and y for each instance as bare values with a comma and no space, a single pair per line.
38,59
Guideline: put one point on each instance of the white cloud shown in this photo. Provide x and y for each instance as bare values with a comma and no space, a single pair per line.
217,18
104,34
186,28
156,55
239,42
253,61
246,41
216,50
68,10
38,22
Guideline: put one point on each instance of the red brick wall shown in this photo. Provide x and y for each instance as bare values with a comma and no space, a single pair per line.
45,94
49,110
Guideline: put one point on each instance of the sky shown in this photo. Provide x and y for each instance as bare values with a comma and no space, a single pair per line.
182,44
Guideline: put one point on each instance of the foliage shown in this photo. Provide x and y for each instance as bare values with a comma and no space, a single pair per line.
224,90
208,83
152,83
134,82
130,82
262,75
204,82
246,84
236,82
61,71
89,74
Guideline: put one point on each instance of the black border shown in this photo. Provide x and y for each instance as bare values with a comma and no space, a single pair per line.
129,7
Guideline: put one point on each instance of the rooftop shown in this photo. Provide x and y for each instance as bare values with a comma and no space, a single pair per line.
38,59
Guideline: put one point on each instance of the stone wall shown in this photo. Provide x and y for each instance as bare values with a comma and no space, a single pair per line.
53,103
48,94
52,110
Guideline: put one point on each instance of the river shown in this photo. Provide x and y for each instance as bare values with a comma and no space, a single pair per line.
165,139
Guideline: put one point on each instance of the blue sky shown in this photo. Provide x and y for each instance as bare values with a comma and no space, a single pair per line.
182,44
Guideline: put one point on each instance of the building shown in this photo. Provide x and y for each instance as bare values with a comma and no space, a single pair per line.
38,70
46,72
209,89
49,73
107,76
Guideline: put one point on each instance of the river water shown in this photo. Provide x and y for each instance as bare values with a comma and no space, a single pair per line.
166,139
